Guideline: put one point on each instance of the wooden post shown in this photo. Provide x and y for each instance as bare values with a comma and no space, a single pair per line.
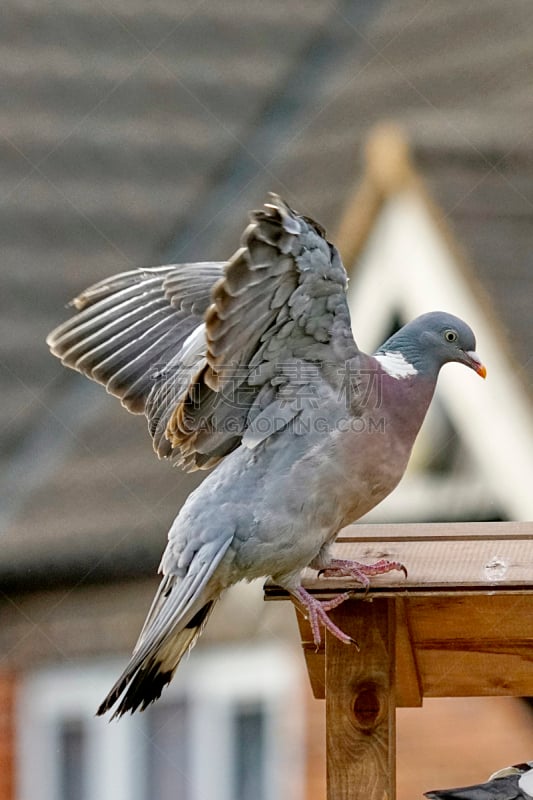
360,703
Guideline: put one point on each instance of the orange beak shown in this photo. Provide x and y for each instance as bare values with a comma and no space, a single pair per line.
476,364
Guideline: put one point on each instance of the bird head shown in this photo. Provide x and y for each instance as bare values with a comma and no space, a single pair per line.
447,338
435,339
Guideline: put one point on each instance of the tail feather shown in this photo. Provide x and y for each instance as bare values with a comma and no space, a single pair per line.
143,681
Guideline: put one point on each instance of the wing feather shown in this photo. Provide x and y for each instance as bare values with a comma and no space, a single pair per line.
281,297
205,351
129,334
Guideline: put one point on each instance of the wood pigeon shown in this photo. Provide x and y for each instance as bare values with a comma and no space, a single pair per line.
250,367
510,783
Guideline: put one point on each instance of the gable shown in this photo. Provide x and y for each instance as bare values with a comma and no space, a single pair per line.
407,262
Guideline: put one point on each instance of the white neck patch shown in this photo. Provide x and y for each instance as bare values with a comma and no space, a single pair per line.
525,782
395,365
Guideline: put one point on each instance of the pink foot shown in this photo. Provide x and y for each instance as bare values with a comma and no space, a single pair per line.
316,614
342,568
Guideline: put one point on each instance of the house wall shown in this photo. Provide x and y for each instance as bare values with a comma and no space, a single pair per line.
7,735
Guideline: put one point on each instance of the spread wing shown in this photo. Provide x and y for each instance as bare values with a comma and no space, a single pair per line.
209,351
278,319
133,332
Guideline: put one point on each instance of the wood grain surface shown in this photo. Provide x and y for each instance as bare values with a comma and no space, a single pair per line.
360,706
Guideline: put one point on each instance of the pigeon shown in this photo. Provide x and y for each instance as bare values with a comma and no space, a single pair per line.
249,368
510,783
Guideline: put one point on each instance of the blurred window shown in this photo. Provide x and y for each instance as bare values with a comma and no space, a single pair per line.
168,753
72,759
229,726
249,757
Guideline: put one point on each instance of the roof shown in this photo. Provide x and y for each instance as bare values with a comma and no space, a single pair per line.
134,136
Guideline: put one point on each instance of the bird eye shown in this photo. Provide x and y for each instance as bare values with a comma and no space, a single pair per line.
450,336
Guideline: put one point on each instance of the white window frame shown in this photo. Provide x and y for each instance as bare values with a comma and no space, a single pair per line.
212,681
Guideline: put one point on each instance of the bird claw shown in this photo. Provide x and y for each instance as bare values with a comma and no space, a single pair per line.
343,568
316,612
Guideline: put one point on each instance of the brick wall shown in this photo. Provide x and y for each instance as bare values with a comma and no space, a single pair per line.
7,736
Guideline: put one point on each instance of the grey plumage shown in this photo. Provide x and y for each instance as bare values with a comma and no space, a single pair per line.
510,783
251,366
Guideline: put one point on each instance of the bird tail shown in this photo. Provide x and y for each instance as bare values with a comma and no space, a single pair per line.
149,671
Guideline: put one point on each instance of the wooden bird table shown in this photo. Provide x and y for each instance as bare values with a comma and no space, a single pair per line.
460,625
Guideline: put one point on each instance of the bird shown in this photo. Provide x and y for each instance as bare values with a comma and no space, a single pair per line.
509,783
249,368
